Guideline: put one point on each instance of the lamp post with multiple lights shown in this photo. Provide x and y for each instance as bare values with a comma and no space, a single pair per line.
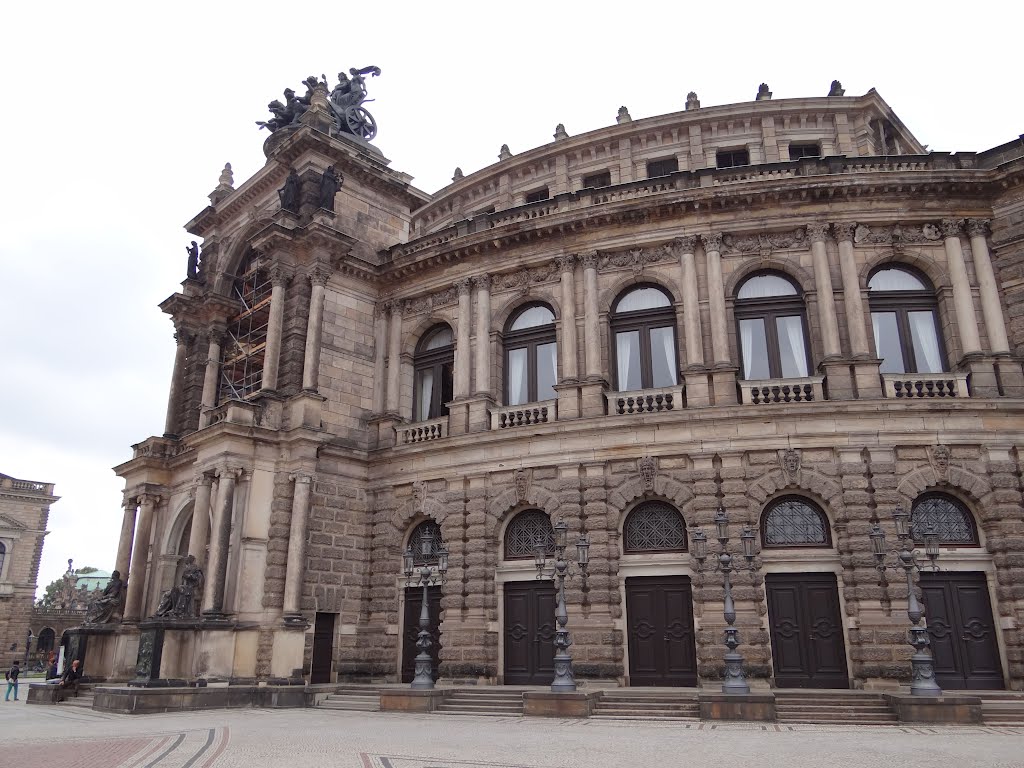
426,576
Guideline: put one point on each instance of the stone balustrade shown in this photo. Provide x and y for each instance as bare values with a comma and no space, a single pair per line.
524,415
914,386
645,401
768,391
421,431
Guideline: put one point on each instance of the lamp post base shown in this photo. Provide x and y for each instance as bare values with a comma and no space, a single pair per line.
564,681
424,679
734,681
922,670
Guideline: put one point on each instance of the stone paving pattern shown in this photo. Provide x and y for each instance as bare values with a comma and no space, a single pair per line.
65,737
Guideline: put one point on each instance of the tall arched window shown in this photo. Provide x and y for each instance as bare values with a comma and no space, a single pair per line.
793,521
46,640
772,325
433,364
905,319
426,529
643,327
182,549
952,521
3,556
654,526
242,356
531,355
525,530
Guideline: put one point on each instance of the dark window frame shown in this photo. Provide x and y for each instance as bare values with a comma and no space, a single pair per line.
415,543
902,303
530,339
521,518
802,148
645,507
537,196
438,360
769,309
662,166
953,501
643,320
790,499
732,155
596,180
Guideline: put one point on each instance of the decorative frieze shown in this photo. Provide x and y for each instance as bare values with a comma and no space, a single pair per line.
637,258
897,235
763,242
432,301
522,280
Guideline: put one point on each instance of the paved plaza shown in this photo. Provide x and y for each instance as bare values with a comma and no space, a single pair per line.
69,737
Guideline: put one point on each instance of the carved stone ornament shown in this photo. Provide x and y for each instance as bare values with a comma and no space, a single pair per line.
647,468
588,259
419,496
521,480
817,231
421,304
637,258
345,104
685,244
566,263
844,230
763,243
712,241
462,286
952,227
790,461
977,227
522,280
940,458
897,235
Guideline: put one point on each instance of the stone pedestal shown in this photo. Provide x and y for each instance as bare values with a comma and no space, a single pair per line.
305,410
592,401
758,707
382,430
480,413
458,417
698,393
410,700
982,370
568,400
1011,376
867,378
723,385
550,704
839,379
964,710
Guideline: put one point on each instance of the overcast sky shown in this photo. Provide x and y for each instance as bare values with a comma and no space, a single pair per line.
120,117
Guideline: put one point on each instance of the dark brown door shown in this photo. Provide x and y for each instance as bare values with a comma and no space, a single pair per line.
529,633
806,631
962,631
323,648
413,604
662,648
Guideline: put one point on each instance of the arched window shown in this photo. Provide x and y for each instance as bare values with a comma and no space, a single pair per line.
772,325
654,526
531,355
426,529
45,641
643,327
433,364
792,521
950,518
182,549
3,556
242,355
525,530
905,319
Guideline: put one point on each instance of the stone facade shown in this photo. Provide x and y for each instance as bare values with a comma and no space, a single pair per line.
24,509
300,495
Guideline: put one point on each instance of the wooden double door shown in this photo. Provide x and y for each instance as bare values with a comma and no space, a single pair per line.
961,630
323,648
529,633
661,638
413,605
808,650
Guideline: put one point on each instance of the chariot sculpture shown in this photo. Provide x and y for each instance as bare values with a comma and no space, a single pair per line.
345,102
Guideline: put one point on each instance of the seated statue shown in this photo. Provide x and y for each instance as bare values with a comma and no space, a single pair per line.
104,607
179,602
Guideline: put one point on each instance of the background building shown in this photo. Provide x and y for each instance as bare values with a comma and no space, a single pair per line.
787,308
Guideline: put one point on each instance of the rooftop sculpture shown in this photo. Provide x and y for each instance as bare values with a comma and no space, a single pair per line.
345,103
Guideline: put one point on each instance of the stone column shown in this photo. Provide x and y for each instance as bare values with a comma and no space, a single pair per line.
124,543
462,355
182,339
591,327
314,331
853,299
216,572
567,265
275,328
394,355
380,341
691,301
140,557
716,299
209,400
823,284
963,301
197,539
296,549
483,335
991,306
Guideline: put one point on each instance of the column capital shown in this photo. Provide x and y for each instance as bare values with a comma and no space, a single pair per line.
300,477
978,227
952,227
588,259
225,472
712,241
203,477
686,243
566,262
395,306
482,282
817,231
130,500
215,334
149,498
279,275
463,286
844,230
319,275
183,336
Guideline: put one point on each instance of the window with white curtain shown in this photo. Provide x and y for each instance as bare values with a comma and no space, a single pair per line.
643,327
433,364
531,355
772,326
905,321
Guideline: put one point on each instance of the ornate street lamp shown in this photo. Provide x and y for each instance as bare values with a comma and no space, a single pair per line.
560,568
735,679
427,577
922,681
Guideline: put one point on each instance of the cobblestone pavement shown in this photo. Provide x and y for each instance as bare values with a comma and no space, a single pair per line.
66,737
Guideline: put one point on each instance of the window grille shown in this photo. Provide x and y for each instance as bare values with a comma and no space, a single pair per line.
952,521
794,522
416,543
654,527
524,531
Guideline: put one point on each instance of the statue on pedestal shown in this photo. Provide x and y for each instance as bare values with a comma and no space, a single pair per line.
179,602
193,261
291,193
103,609
330,183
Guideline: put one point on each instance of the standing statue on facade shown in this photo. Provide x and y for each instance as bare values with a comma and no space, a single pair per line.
193,260
179,602
108,604
346,104
330,183
291,193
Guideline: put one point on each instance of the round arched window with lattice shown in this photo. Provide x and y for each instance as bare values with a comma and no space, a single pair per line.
951,519
525,530
426,529
654,526
793,521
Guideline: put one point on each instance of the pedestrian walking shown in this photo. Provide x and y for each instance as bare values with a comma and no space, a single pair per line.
11,675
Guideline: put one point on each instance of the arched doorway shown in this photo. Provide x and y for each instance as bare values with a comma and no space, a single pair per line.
430,532
529,605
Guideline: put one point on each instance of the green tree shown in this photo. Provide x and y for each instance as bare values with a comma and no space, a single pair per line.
52,593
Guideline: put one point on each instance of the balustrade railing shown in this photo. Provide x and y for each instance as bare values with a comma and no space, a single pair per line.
422,431
524,415
769,391
912,386
645,401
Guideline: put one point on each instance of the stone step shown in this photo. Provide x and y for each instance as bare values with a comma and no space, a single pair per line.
350,706
614,716
372,696
495,694
647,697
838,721
604,706
462,704
655,715
832,707
482,712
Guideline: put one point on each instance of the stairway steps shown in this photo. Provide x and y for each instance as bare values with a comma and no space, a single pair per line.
353,700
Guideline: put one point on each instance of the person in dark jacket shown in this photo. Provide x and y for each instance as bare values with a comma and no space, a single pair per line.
69,680
11,676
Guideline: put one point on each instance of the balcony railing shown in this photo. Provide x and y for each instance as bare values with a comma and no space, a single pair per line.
642,401
524,415
422,431
912,386
769,391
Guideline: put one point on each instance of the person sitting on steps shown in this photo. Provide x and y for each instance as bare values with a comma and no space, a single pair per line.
69,680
